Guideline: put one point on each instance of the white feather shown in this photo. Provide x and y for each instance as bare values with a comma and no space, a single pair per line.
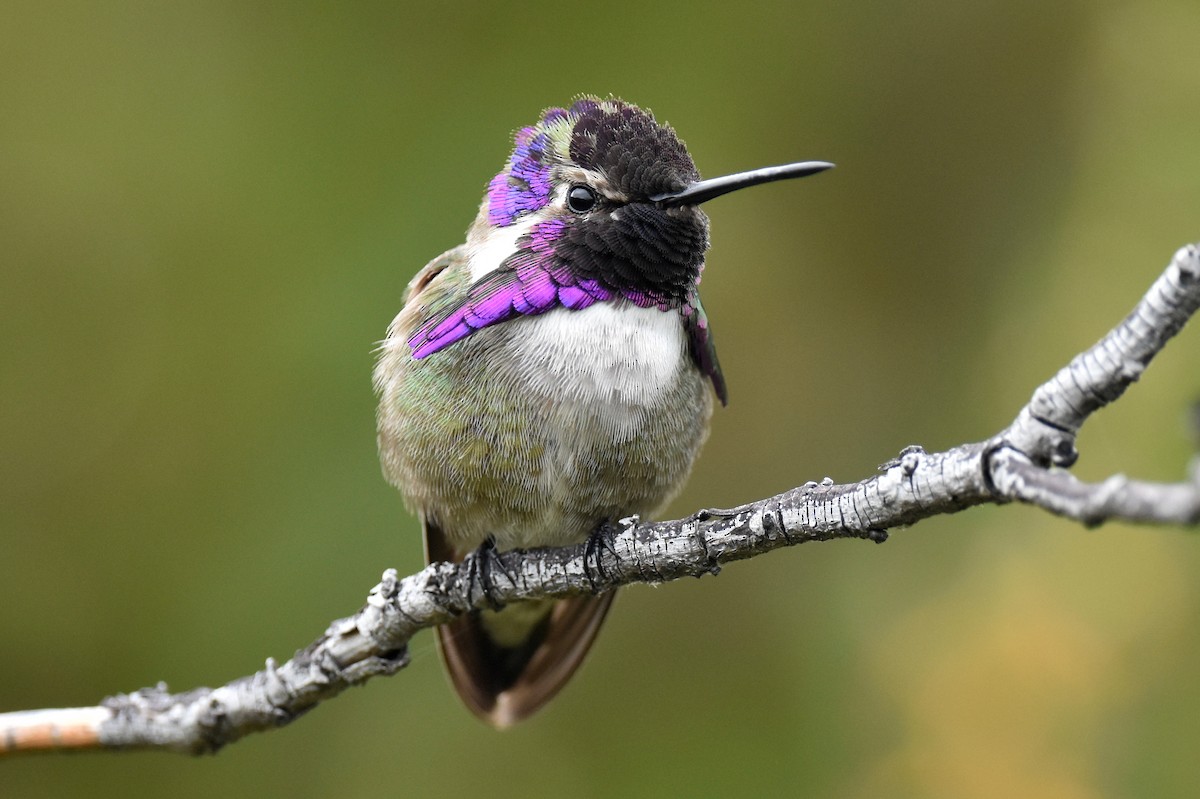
489,251
616,358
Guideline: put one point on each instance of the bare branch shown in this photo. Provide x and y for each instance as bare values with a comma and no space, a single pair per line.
1118,497
1024,462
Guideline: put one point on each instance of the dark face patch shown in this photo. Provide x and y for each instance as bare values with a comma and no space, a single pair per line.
638,250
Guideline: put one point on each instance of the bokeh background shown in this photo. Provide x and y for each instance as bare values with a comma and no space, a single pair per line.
209,211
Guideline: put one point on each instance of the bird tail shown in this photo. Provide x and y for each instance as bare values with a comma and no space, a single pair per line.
505,664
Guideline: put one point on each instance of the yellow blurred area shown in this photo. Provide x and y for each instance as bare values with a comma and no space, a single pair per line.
1002,677
209,212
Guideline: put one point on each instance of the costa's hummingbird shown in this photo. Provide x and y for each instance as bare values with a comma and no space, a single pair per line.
550,375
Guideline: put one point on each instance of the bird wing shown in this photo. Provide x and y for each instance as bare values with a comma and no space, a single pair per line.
701,346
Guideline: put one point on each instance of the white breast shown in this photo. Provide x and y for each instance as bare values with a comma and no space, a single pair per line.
613,355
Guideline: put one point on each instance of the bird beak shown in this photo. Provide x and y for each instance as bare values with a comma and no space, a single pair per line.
704,190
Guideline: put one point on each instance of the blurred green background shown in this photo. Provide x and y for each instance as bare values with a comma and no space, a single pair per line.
209,211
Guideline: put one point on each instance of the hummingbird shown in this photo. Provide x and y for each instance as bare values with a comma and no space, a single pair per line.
554,374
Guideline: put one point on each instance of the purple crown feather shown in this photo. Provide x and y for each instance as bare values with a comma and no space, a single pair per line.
525,185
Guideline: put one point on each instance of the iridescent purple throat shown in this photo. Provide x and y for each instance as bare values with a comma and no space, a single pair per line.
532,281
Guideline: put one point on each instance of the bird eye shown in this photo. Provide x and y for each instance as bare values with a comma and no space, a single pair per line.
580,199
